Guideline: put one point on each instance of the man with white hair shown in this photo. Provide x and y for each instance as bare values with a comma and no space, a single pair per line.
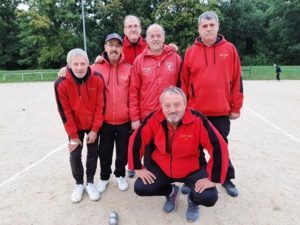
80,101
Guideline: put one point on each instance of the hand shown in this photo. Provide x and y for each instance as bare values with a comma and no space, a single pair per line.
174,47
62,72
146,176
73,144
99,59
91,137
203,184
234,116
135,124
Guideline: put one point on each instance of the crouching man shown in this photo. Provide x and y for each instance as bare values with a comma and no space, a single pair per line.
170,140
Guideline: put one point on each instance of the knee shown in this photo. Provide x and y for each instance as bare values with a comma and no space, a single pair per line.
139,188
207,198
143,190
75,155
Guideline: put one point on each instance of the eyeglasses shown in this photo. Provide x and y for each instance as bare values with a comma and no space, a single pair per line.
116,45
130,27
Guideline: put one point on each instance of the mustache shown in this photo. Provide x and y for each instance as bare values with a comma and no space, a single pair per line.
113,52
209,32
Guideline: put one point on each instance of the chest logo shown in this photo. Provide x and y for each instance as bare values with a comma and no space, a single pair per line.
186,136
224,55
145,70
170,66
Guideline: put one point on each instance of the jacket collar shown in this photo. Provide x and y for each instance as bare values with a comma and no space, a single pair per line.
127,43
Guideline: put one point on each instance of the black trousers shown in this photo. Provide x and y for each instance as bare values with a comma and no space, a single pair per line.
91,160
222,124
109,135
162,186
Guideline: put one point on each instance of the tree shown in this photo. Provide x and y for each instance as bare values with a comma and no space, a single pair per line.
180,20
244,25
48,31
9,47
284,39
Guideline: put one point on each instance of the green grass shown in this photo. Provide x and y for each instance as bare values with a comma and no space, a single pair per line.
28,75
256,73
268,73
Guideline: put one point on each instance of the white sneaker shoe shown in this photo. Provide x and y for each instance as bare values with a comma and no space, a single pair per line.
77,193
92,192
122,183
102,185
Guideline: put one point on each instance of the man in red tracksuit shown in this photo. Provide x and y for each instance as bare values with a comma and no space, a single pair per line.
155,69
116,127
170,140
80,102
211,79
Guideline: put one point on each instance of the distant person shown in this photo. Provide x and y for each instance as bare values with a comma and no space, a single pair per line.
116,127
170,140
80,102
278,72
213,85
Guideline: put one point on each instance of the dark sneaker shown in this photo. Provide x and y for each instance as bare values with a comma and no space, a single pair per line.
192,212
230,188
131,173
185,189
170,205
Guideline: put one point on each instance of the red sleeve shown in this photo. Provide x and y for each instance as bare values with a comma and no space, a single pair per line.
134,92
184,76
217,148
64,107
98,118
237,96
137,145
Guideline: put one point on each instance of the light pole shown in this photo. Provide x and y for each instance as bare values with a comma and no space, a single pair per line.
83,22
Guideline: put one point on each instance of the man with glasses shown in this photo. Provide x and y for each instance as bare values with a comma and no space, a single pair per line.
134,43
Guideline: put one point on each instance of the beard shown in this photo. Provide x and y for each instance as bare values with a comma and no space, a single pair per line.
174,119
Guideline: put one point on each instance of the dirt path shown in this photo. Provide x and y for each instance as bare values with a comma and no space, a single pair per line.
36,181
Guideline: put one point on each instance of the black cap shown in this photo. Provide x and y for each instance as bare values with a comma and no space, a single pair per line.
114,36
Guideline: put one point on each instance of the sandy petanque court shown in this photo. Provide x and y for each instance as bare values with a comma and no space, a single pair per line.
36,181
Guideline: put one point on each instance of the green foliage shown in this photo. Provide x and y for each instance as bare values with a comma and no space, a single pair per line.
44,40
255,60
9,30
263,31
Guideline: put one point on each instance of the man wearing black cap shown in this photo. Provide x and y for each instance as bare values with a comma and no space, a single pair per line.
117,125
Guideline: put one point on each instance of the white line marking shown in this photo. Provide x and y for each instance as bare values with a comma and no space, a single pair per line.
277,127
32,165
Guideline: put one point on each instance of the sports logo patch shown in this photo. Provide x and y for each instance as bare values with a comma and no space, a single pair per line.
170,66
224,55
145,70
